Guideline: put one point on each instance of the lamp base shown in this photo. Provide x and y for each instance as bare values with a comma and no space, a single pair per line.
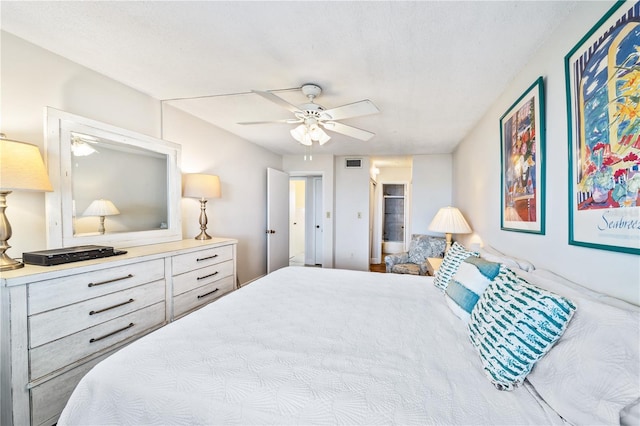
203,222
9,264
448,240
203,236
6,263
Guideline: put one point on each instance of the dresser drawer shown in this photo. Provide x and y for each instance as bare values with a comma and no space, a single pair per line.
52,356
198,259
51,294
199,277
51,325
49,398
201,296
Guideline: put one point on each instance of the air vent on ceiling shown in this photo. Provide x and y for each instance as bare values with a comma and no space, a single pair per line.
353,163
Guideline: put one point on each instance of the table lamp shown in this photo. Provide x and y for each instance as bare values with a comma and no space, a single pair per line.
449,221
203,187
21,169
101,208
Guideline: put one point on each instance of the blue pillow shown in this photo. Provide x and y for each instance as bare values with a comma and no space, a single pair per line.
452,260
468,283
513,325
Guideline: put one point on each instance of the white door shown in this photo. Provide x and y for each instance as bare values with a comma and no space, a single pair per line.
317,216
277,220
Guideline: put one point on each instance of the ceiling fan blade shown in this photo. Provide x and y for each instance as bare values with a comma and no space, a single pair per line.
286,121
278,100
354,132
356,109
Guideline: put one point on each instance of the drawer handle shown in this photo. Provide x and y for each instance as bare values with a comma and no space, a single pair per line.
208,294
112,333
110,281
207,276
206,258
111,307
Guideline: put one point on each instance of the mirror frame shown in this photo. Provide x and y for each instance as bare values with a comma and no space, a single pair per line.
59,203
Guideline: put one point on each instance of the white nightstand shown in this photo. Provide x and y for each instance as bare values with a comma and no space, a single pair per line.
433,264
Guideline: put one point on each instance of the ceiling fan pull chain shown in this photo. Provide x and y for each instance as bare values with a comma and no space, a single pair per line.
309,153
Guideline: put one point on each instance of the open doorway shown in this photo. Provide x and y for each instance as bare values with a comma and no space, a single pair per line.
305,227
390,194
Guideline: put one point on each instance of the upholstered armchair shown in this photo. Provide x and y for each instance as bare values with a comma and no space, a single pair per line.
414,261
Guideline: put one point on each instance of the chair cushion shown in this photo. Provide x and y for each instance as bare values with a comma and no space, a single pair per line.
406,268
423,246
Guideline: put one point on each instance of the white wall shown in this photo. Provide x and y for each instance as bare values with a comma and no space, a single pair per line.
476,175
352,215
240,213
432,186
33,78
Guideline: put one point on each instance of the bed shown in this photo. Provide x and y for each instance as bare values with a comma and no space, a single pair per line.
317,346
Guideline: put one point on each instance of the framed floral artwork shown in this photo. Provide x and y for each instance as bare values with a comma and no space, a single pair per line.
603,102
522,143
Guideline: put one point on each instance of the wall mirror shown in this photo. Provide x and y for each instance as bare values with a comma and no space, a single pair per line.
111,186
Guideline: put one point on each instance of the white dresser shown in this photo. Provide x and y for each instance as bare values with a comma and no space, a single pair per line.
57,322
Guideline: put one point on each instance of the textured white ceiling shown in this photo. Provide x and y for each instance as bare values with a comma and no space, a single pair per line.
432,67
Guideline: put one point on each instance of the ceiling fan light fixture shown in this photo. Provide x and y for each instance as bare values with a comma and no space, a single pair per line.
315,132
324,138
299,132
306,140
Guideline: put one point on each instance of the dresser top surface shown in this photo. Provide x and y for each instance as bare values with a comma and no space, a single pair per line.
134,254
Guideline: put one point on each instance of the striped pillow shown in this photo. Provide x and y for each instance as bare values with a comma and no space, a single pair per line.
513,325
452,259
468,283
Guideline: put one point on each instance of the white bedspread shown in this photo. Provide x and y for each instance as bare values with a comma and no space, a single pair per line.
306,346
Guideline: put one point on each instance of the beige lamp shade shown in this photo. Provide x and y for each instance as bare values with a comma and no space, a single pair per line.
21,167
449,221
202,186
101,207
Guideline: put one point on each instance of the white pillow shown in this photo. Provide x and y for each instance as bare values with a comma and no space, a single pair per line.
452,260
493,255
554,282
468,283
592,374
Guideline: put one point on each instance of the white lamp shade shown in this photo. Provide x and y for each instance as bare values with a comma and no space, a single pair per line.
202,186
449,220
299,132
21,167
101,207
324,138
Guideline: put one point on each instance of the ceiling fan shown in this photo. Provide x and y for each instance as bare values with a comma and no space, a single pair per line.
313,117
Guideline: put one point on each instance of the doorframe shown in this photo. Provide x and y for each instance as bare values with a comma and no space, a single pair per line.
310,199
378,221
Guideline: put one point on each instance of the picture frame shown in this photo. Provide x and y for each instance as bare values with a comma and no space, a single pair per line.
522,163
602,74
